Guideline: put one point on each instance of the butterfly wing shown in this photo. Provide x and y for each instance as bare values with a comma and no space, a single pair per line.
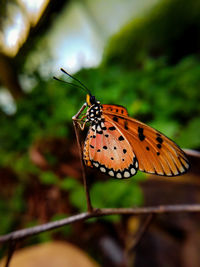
116,109
110,152
154,151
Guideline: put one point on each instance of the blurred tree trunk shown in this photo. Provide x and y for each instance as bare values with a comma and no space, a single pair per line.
11,67
9,78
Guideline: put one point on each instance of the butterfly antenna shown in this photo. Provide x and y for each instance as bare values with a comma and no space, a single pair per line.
83,86
75,85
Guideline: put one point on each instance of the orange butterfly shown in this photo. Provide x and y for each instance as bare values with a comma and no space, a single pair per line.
120,146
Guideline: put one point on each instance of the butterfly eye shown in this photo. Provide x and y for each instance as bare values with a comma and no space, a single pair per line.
92,100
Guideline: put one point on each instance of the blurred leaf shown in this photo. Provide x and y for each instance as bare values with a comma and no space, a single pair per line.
116,193
48,178
77,198
76,192
44,237
68,184
190,135
17,201
153,33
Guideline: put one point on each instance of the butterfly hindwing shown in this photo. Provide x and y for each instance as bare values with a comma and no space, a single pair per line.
155,152
110,152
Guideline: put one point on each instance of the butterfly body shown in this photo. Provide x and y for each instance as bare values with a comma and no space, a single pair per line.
119,145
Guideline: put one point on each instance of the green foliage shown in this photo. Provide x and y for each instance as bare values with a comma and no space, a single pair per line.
171,28
190,135
48,178
11,209
69,184
111,193
44,113
116,193
76,193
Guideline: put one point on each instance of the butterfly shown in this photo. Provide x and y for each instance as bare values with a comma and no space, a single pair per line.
119,145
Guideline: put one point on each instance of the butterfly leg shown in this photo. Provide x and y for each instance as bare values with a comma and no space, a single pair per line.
79,120
76,116
81,123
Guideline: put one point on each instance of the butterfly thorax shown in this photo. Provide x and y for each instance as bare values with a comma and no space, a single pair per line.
96,118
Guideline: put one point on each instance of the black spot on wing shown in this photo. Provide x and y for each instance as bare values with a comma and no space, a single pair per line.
159,139
91,146
124,151
126,125
147,148
159,145
121,138
105,147
112,128
140,134
115,119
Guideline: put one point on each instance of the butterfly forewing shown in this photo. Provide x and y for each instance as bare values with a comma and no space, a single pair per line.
117,109
155,152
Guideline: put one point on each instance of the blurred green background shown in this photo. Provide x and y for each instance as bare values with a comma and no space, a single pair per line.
143,55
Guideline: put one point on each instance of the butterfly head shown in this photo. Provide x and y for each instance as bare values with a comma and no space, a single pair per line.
91,100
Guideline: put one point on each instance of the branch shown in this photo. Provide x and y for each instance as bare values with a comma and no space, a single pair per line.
16,235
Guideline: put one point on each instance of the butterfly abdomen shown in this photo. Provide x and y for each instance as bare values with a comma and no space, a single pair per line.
86,157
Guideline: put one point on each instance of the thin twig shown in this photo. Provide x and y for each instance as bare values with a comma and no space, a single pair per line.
16,235
89,205
192,153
